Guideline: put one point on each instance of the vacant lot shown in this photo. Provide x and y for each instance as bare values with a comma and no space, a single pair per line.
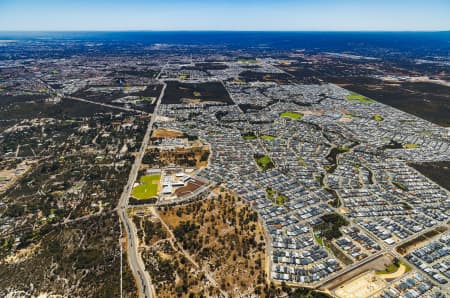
166,133
253,76
111,93
419,240
361,287
379,263
205,66
185,157
439,172
426,100
211,91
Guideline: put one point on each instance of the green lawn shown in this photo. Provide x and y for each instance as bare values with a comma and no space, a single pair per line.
319,240
377,117
410,146
360,98
400,185
301,161
292,115
270,193
268,137
249,137
393,268
343,149
247,61
264,162
148,187
276,199
280,200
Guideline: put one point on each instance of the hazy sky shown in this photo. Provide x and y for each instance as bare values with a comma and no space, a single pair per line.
225,15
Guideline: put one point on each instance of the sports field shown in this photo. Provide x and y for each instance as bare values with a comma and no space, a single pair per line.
264,162
292,115
410,146
377,117
268,137
249,137
360,98
148,188
248,61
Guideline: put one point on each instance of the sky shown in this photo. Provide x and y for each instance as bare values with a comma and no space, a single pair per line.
264,15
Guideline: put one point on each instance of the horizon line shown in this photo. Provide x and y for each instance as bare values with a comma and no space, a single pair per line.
218,30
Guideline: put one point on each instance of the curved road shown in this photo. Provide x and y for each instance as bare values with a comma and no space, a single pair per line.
134,258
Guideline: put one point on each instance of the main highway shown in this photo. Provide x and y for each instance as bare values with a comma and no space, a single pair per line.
137,266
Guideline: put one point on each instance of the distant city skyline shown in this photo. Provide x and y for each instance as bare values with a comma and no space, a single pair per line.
262,15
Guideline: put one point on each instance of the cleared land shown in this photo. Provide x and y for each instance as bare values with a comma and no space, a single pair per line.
148,188
410,245
186,157
9,177
406,96
361,287
166,133
210,91
439,172
379,263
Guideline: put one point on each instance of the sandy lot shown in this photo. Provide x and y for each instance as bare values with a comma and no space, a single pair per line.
379,264
166,133
11,176
362,286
